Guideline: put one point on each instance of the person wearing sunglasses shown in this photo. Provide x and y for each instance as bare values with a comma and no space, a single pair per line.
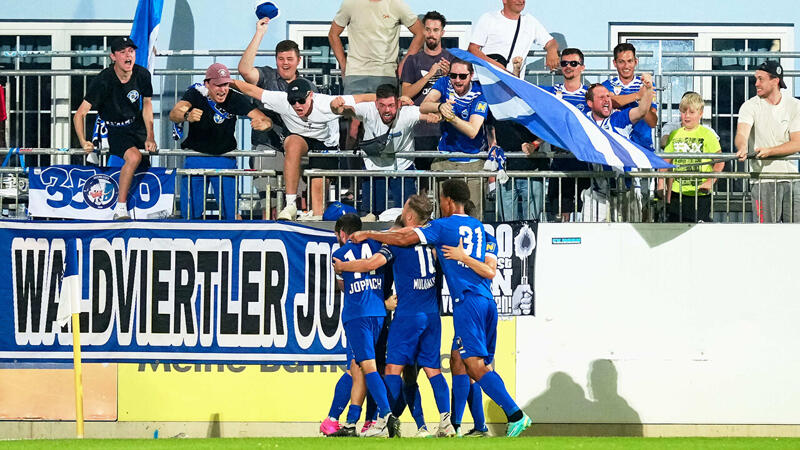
562,195
312,126
463,107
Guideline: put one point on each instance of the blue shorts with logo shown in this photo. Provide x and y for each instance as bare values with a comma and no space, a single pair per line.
415,339
362,336
475,324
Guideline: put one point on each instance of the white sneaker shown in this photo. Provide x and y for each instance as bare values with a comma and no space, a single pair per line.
288,213
121,213
423,433
386,426
446,428
307,216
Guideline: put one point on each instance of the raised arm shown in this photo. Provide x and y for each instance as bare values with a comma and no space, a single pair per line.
402,237
641,111
359,265
246,64
248,89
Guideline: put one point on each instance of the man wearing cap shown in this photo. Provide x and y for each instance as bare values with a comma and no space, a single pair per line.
122,95
287,60
211,110
769,123
312,126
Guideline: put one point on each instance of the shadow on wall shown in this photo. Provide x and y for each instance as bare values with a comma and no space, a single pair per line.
564,402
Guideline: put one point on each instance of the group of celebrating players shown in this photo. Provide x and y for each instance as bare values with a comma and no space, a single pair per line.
455,244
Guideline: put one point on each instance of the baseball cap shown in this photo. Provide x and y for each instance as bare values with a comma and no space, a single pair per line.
336,210
773,68
297,90
266,9
217,74
121,43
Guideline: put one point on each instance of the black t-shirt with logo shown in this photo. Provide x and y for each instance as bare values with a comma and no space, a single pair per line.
213,134
117,102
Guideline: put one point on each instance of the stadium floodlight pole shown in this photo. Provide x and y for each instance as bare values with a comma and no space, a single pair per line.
76,361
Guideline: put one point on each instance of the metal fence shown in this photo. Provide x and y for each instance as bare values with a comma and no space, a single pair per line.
40,105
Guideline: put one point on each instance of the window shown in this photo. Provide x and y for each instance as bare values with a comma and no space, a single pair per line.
41,105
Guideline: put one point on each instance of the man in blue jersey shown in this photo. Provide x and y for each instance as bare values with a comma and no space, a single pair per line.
562,193
474,309
608,199
463,108
362,316
627,91
416,330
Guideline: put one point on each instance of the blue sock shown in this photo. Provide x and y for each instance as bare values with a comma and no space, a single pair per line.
372,409
493,385
353,414
441,392
394,388
341,395
460,394
414,401
378,390
475,401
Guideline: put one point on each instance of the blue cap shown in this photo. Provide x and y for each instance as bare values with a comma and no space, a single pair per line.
336,210
267,9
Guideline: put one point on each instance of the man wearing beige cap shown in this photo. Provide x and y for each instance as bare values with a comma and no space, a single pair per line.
769,124
211,110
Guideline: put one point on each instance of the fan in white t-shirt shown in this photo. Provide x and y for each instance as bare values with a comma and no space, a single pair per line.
510,33
396,116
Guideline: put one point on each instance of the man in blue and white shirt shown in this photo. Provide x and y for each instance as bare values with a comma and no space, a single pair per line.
605,200
463,108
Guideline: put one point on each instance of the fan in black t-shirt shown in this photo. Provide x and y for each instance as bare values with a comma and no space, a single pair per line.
211,111
122,95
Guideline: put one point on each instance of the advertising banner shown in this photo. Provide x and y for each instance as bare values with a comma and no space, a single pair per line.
90,193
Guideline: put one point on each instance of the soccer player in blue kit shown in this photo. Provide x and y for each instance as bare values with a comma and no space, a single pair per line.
416,331
474,309
362,315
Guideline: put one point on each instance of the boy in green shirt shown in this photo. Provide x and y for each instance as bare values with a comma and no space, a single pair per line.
689,199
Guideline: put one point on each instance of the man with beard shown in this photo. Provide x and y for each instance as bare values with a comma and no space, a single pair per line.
287,60
122,95
420,73
463,107
211,111
383,116
606,198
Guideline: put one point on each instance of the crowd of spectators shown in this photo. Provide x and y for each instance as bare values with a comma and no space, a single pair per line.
429,100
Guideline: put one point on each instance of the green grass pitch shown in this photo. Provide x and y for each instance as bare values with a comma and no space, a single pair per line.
544,443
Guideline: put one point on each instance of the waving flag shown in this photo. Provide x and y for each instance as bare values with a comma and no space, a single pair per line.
69,300
556,121
145,31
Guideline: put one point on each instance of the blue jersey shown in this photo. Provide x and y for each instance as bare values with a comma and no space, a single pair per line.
576,98
414,279
363,292
448,231
642,134
471,103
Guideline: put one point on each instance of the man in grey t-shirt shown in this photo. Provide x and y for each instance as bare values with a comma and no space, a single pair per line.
287,59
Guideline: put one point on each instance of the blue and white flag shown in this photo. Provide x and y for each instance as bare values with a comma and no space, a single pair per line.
90,193
145,31
556,121
69,299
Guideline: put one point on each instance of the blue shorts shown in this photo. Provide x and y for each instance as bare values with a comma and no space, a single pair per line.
415,339
362,335
475,324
